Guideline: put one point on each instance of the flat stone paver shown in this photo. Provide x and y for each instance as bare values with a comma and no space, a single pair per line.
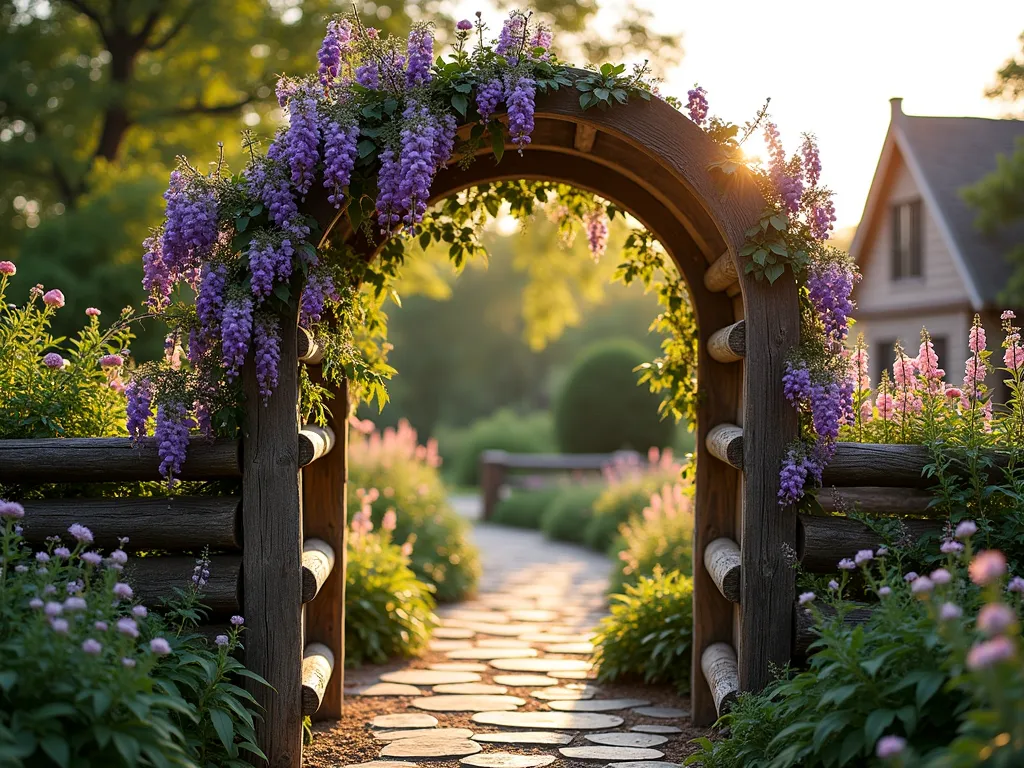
488,654
643,764
452,633
667,713
656,729
525,737
426,747
627,739
458,666
507,760
388,689
456,703
525,681
425,733
472,689
429,677
596,705
556,721
598,752
541,665
404,720
563,694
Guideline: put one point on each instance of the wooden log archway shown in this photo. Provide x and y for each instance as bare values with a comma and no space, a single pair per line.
654,162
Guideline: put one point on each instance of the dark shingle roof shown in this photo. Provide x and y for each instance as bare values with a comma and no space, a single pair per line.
952,153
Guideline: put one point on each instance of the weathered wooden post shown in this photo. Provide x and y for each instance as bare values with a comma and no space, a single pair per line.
271,571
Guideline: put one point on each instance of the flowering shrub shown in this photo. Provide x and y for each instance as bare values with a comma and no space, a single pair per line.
630,486
647,636
388,610
661,536
90,677
394,477
52,387
933,678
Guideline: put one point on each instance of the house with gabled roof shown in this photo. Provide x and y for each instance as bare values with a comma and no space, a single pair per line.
923,260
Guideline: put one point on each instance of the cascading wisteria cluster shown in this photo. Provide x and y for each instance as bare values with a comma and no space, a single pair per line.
374,124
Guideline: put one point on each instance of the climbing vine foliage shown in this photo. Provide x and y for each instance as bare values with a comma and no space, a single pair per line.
365,136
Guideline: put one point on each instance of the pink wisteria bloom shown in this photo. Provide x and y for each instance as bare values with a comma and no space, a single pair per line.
977,338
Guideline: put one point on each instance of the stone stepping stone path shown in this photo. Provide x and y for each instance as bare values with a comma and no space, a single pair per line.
541,665
429,677
555,721
611,753
487,654
564,694
428,747
404,720
458,703
596,705
627,739
656,729
507,760
525,737
525,681
515,662
458,666
425,733
472,689
388,689
667,713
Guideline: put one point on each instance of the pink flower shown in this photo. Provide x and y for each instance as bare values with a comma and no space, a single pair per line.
92,647
950,547
111,361
867,413
890,746
950,611
954,394
977,338
8,268
53,298
987,567
140,612
885,405
53,360
1008,314
995,618
128,627
903,371
941,576
966,529
221,640
1013,357
464,26
82,534
990,652
389,521
1016,585
36,603
806,597
92,558
11,509
60,626
407,549
922,585
75,604
101,626
159,646
93,312
237,621
53,609
846,564
863,556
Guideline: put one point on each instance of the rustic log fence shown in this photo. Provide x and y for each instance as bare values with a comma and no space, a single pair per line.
278,545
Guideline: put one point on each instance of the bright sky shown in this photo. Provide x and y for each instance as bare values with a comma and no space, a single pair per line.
831,66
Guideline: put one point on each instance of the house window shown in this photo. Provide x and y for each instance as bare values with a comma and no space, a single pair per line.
906,240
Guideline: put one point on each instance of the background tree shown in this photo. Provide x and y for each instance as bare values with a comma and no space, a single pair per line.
98,97
999,196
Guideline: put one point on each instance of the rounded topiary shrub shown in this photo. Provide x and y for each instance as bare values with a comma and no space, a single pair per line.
524,508
566,517
504,430
601,408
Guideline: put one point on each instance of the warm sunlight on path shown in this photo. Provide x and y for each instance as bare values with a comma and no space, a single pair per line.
507,683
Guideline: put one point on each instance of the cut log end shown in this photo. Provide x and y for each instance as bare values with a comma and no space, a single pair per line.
725,443
729,344
722,274
722,560
317,668
718,663
314,443
310,350
585,137
317,564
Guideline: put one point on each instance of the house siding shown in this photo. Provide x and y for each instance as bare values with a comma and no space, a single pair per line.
941,282
954,326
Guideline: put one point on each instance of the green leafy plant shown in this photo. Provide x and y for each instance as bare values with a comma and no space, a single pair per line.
601,408
566,517
89,677
56,387
503,430
390,471
631,484
524,508
648,634
388,610
609,85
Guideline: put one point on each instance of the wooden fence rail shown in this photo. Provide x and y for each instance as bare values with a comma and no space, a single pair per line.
278,547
